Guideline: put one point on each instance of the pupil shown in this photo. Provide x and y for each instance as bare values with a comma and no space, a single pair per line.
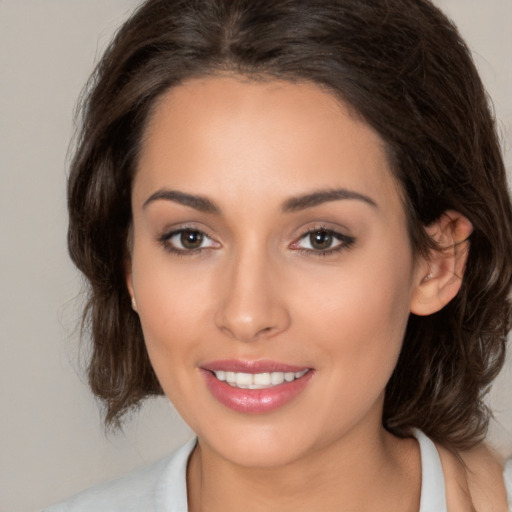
320,240
191,239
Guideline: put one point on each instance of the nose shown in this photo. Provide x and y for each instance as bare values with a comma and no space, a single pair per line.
252,304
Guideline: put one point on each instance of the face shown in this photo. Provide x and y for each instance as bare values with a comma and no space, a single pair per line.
269,250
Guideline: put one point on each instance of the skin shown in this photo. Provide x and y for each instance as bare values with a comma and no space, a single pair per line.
257,290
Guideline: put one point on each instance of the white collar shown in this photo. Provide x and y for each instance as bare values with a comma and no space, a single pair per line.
171,490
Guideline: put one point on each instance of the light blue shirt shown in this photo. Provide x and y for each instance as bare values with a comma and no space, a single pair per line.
162,487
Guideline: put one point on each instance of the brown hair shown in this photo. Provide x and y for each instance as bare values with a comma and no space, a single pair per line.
402,66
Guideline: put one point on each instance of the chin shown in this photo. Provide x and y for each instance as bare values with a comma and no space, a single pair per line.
258,446
261,455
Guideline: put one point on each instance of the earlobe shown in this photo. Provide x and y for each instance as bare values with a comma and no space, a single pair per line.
128,272
439,276
129,283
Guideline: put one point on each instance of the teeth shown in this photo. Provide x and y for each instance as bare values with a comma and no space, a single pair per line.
261,379
257,380
276,378
244,379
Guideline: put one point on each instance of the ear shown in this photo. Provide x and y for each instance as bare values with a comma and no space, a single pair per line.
129,281
439,276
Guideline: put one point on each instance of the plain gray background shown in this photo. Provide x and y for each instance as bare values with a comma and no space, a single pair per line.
51,439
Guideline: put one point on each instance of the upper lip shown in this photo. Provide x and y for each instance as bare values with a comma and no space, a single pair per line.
247,366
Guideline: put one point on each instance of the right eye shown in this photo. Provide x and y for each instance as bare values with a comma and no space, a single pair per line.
187,240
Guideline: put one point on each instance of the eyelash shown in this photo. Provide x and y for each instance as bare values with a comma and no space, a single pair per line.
345,242
165,241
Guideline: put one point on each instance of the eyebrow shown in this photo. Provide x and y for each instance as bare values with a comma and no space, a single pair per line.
291,205
193,201
323,196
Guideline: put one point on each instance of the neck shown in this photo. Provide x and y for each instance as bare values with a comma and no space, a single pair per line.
361,472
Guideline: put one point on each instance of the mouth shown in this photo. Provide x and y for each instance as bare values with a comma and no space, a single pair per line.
255,386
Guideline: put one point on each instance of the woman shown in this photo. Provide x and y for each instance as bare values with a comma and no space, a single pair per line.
294,221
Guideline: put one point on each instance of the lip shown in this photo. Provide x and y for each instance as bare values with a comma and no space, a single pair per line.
254,401
247,366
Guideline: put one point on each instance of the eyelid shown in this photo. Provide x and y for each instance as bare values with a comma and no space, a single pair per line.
344,241
166,237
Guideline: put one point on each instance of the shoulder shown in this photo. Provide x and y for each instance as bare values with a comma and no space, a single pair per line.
486,478
476,475
126,493
140,491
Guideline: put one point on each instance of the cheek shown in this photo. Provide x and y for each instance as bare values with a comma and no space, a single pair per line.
361,312
170,313
167,290
171,334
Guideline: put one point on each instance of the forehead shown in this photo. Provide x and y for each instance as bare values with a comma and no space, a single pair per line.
222,134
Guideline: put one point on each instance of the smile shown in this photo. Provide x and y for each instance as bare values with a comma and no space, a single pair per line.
257,380
255,386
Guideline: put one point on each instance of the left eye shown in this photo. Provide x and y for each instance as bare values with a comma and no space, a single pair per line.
322,240
188,240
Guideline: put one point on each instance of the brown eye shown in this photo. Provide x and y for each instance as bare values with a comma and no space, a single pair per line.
191,239
187,241
321,240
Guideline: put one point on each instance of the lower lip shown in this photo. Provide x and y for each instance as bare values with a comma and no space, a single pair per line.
255,400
